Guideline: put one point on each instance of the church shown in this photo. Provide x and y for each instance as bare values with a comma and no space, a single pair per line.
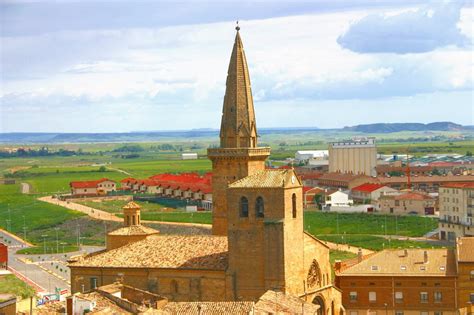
258,242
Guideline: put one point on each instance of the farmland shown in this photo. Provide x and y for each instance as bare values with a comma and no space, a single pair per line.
46,175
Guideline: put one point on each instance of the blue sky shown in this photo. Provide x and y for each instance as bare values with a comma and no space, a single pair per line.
115,66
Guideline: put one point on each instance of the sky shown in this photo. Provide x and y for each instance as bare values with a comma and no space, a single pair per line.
120,66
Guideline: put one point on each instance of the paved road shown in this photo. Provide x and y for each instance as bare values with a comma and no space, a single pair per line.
35,267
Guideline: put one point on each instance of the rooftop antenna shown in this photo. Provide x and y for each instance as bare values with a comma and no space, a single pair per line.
237,26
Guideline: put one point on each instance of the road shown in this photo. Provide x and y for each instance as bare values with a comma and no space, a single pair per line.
44,272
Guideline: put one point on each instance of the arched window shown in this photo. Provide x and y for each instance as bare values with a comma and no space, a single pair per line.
244,207
128,220
259,208
133,220
293,205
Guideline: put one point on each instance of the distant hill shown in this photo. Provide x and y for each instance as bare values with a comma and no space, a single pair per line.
397,127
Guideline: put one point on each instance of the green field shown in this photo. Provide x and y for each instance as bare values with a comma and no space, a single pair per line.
183,217
115,206
12,285
373,242
340,255
321,223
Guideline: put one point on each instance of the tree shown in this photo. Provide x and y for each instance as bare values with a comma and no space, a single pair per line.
102,169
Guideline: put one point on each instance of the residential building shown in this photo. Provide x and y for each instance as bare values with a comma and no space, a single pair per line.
408,202
394,282
338,199
355,156
8,304
429,184
465,269
398,170
3,256
92,187
456,208
259,243
369,192
343,180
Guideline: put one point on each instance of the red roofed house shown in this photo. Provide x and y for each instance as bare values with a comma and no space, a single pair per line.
456,209
3,256
92,187
411,202
371,192
310,194
126,183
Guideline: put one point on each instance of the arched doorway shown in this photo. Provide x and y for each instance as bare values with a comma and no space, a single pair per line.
322,306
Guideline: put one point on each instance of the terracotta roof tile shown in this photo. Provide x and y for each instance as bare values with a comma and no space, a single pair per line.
368,187
134,230
88,183
409,262
465,249
207,308
131,205
268,179
164,251
459,185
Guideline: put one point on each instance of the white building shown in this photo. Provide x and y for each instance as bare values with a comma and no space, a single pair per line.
189,156
310,155
338,199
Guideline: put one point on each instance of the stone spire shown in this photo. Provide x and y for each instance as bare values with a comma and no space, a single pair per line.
238,127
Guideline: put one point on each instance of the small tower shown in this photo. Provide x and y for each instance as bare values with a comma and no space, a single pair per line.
132,230
131,214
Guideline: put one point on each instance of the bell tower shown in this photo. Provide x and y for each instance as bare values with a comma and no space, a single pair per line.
238,155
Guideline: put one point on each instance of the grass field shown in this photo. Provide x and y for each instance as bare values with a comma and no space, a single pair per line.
12,285
373,242
115,206
184,217
320,223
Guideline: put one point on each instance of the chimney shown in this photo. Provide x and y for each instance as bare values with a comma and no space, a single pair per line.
425,257
337,265
359,255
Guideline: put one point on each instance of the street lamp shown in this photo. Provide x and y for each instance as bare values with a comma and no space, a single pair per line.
57,240
44,242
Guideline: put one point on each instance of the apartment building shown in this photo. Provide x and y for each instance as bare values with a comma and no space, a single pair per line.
456,207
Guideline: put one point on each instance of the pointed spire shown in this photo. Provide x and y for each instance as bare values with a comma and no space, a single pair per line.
238,126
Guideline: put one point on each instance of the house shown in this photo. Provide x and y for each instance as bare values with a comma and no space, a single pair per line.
92,187
456,209
399,281
369,192
465,268
409,281
336,180
338,199
408,202
313,196
3,256
424,183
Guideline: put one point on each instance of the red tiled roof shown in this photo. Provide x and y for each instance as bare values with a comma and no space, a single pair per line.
368,187
88,183
413,196
427,179
459,185
185,181
128,179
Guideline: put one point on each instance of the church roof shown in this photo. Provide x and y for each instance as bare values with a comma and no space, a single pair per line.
196,308
269,178
164,251
238,116
134,230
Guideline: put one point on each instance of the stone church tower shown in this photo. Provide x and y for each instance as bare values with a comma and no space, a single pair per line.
266,237
238,155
